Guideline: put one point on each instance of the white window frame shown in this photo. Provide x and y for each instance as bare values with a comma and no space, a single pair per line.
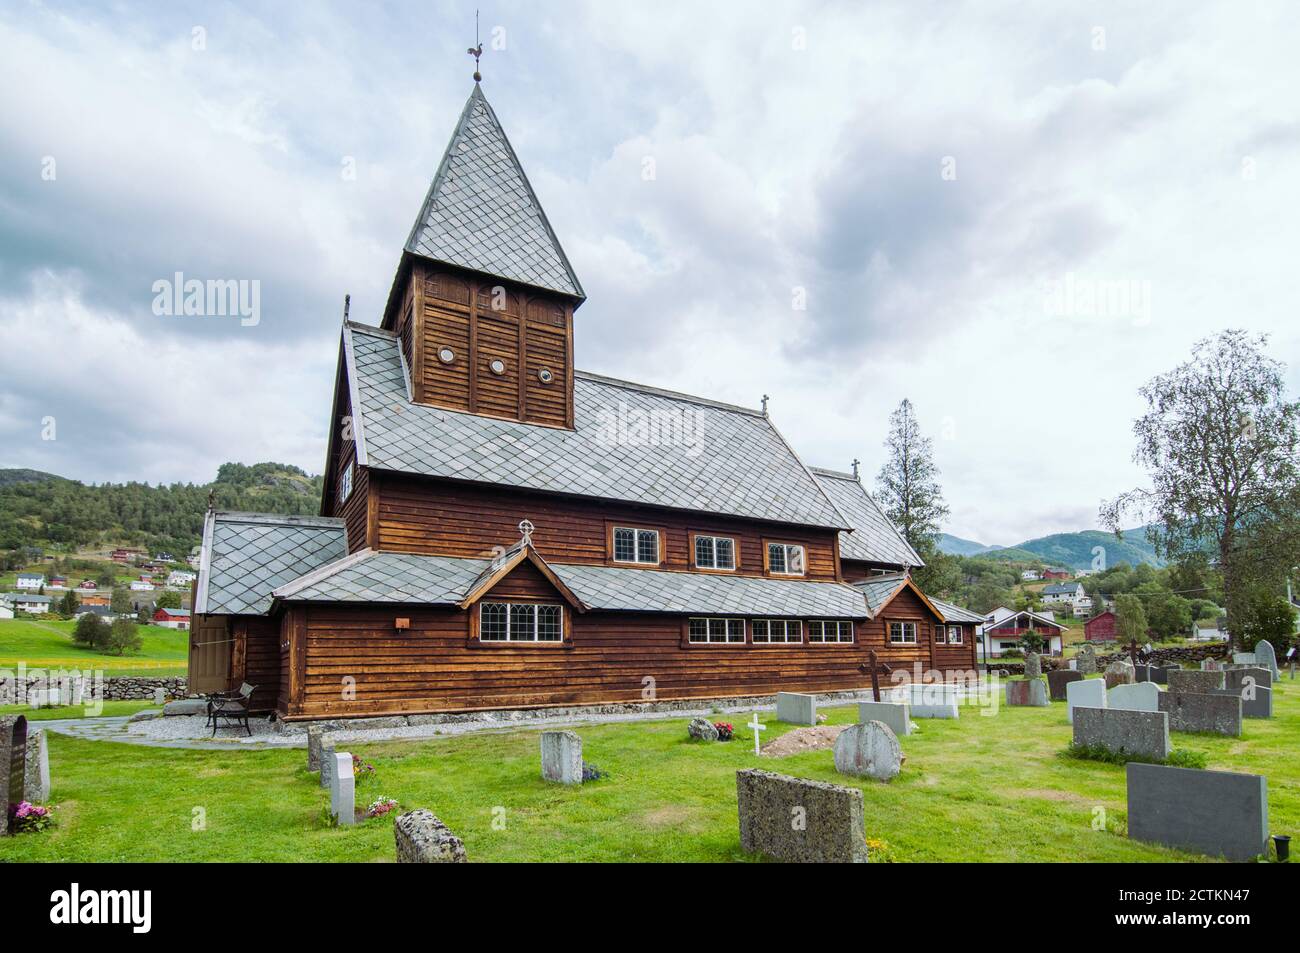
817,634
713,540
345,483
786,549
904,625
637,532
955,635
726,634
533,635
760,631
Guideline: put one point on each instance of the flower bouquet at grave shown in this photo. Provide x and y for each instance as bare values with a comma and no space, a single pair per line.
31,818
381,806
362,769
725,730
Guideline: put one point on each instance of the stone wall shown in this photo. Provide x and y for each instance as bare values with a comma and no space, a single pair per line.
114,688
1173,655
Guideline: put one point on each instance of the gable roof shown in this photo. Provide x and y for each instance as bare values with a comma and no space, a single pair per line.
481,213
715,457
1037,617
874,538
1061,588
879,591
245,556
383,577
952,613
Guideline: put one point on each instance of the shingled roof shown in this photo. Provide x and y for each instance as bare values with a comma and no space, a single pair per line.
481,213
721,458
382,577
874,537
245,556
952,613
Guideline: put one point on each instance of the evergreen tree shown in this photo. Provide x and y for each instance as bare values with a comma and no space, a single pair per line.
908,490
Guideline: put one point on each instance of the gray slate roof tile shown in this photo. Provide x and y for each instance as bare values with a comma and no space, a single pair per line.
247,555
728,460
878,589
481,213
381,577
874,537
952,613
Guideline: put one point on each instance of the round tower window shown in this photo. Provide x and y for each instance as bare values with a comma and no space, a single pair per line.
446,355
498,367
545,375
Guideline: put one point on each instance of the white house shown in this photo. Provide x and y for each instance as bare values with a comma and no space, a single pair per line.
180,577
139,585
31,581
1003,628
1066,593
6,612
1083,607
26,602
1031,575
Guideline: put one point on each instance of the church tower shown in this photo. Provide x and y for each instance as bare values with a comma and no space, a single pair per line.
484,296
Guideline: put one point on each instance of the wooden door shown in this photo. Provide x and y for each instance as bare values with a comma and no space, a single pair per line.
209,655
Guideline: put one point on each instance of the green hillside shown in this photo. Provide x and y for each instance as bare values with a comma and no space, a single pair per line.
1066,550
956,546
48,512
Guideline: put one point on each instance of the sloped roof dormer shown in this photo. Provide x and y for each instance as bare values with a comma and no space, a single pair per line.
481,213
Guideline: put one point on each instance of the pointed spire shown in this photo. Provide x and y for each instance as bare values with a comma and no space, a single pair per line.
481,213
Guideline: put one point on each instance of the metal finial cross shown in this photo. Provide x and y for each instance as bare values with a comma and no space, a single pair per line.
526,528
477,50
765,404
856,461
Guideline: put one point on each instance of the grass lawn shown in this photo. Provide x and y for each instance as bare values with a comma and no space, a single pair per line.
48,644
975,789
111,709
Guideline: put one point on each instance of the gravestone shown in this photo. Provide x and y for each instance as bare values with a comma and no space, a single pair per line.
797,821
36,786
1193,681
1218,714
423,839
1088,693
343,798
1244,658
1058,679
326,762
1119,673
702,729
562,757
794,708
1266,657
1140,733
1237,678
1256,702
1210,665
1027,692
869,750
896,715
314,735
1086,660
1160,673
1219,813
1140,696
1033,665
13,766
932,701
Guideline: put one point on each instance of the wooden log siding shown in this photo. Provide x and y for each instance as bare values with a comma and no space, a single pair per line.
435,665
444,519
355,510
262,661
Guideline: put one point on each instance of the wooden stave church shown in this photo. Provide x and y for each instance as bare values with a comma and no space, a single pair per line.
472,472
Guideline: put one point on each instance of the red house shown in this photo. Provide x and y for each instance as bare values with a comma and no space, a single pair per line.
1056,574
1100,629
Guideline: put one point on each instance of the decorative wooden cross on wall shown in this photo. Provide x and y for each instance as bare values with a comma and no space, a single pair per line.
876,669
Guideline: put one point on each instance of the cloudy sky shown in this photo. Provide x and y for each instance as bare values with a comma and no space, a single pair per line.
1010,214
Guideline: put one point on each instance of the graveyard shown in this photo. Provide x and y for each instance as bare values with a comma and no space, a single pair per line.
975,788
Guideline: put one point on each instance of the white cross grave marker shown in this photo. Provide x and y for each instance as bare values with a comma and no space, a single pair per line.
757,726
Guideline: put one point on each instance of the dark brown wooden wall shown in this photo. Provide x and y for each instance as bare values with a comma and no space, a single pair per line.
434,666
484,319
439,518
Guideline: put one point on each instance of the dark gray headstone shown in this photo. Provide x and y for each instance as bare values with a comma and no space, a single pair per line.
1194,681
797,821
1218,713
1027,692
36,786
1057,679
1256,702
1160,673
1218,813
1237,677
13,765
1140,733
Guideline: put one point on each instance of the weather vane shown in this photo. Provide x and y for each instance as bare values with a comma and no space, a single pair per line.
476,51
